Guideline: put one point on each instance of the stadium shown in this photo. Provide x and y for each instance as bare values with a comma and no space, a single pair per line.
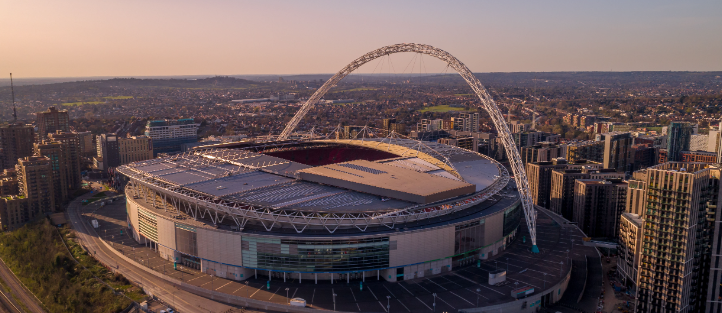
389,208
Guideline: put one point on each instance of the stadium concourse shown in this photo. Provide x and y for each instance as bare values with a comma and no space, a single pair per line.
357,224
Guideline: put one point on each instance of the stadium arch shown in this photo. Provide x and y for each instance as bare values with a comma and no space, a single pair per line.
487,103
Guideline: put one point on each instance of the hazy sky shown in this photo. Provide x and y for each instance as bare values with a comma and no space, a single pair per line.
158,37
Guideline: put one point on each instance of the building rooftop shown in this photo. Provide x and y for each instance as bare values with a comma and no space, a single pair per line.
387,180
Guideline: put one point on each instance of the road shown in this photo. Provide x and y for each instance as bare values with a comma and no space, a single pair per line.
10,304
183,301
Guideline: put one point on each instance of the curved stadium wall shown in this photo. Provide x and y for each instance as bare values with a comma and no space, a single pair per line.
402,253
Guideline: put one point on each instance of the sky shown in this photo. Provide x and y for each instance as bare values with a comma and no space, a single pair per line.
77,38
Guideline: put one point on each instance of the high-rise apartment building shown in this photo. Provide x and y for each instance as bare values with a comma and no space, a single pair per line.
586,150
617,150
543,151
134,149
59,163
71,149
676,204
698,142
643,156
51,121
527,139
16,141
465,122
36,193
9,183
679,136
169,135
598,204
518,127
630,248
87,148
462,142
540,175
429,125
563,183
108,150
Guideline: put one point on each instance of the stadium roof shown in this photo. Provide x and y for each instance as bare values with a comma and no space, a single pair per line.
387,180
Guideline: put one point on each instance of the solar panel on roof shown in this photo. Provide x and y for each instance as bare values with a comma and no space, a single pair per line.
363,168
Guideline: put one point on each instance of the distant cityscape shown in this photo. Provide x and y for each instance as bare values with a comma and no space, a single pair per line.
636,170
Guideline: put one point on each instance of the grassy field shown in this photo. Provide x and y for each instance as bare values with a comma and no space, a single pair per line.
355,89
442,108
118,97
37,255
70,104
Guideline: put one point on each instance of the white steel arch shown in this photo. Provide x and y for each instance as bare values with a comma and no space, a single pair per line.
487,103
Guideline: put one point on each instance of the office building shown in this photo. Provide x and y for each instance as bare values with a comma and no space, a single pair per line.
71,149
563,183
16,141
585,150
543,151
51,121
678,140
598,204
59,160
36,193
169,135
676,203
617,150
134,149
108,151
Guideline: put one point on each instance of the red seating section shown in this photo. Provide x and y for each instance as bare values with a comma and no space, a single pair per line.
319,156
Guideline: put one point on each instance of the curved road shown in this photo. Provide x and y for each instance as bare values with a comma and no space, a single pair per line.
184,301
9,303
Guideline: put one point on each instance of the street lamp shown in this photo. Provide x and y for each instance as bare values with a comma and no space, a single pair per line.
561,264
478,290
388,304
334,301
289,300
434,302
246,282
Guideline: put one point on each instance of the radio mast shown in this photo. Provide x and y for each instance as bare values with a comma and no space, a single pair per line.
12,90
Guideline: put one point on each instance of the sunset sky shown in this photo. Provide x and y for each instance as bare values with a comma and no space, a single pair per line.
214,37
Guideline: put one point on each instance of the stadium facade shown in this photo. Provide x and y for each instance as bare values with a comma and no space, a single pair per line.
389,208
